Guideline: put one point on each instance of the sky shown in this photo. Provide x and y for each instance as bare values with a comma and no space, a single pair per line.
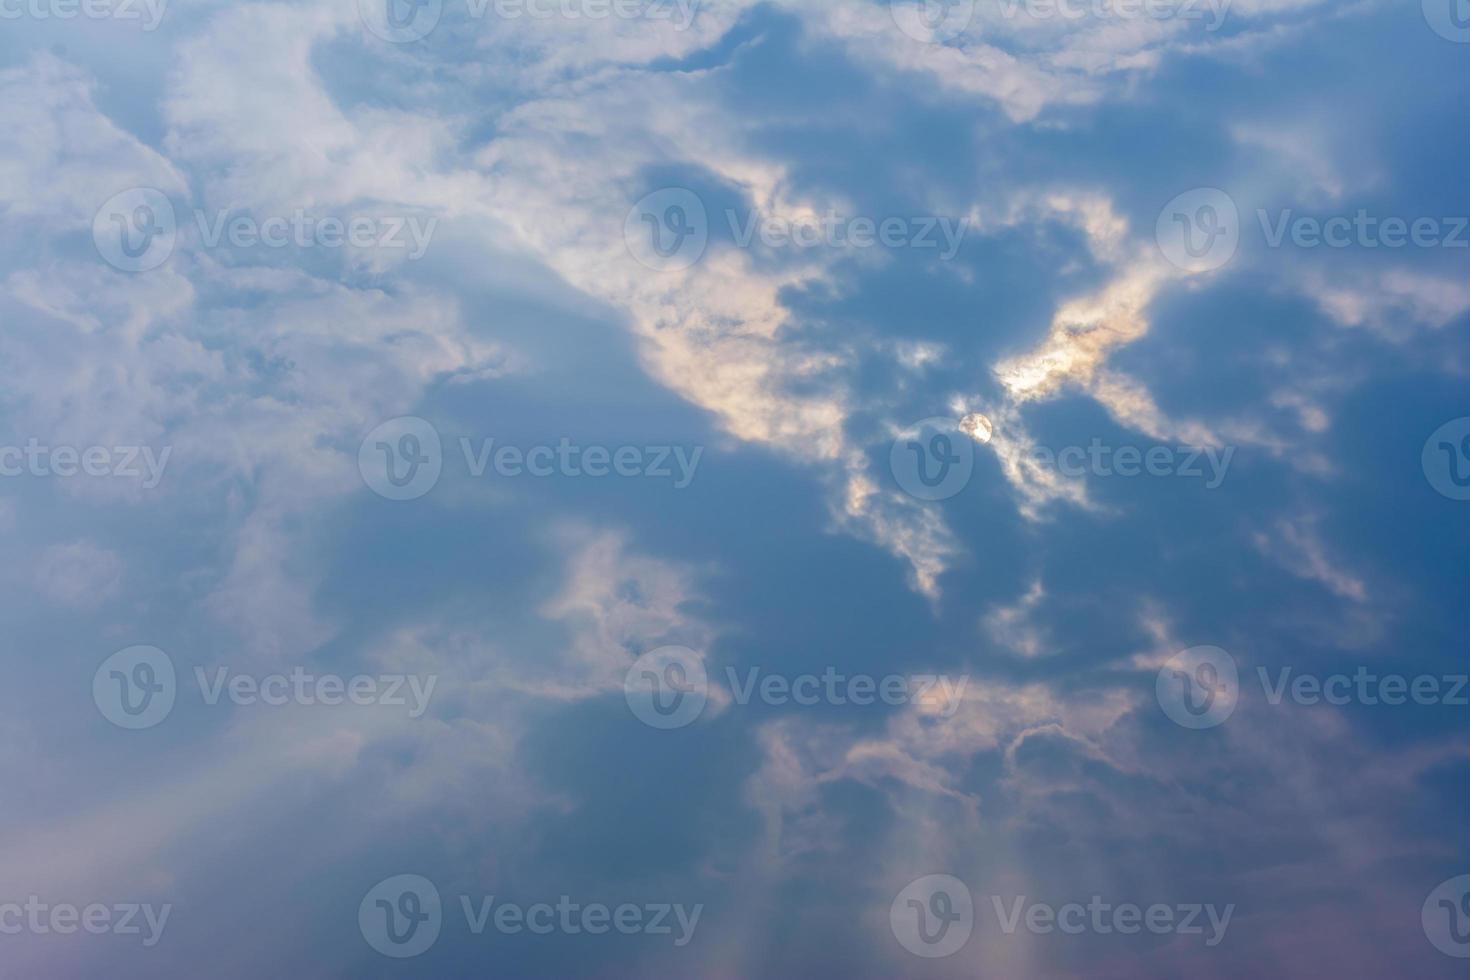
718,488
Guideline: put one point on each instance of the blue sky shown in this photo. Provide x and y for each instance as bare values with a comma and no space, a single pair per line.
281,283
